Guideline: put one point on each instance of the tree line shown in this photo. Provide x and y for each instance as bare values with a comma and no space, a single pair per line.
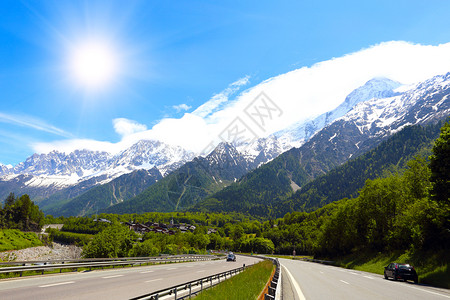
20,213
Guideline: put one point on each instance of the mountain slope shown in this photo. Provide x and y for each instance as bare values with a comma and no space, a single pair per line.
346,180
358,131
100,197
193,181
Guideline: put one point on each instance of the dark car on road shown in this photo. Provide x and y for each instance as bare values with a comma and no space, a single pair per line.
401,271
231,257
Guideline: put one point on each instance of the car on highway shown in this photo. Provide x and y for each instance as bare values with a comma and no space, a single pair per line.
401,271
231,257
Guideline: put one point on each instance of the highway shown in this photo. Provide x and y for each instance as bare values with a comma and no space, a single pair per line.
307,280
119,283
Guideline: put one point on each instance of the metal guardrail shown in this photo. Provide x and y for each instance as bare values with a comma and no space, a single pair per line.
191,288
42,266
273,291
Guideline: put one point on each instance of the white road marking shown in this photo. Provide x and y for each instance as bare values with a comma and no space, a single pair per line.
369,277
353,273
344,282
201,271
147,272
113,276
153,280
434,293
171,269
295,284
55,284
320,272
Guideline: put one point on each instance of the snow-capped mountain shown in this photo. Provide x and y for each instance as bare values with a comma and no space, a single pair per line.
369,114
376,88
369,122
41,175
147,154
423,103
83,164
264,150
361,129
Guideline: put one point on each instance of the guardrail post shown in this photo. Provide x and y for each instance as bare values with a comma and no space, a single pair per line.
271,291
175,292
190,291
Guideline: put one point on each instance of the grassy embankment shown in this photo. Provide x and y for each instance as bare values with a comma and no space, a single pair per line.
432,267
14,239
246,285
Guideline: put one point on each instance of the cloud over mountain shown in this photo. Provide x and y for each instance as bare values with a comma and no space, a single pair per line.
286,99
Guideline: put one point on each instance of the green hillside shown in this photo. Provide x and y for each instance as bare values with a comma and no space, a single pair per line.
118,190
178,190
267,191
345,181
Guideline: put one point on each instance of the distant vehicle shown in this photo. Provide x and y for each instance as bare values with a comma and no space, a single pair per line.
231,257
401,271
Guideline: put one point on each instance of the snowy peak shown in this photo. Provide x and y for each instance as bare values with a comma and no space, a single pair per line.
379,88
425,102
225,154
264,150
57,163
79,165
146,154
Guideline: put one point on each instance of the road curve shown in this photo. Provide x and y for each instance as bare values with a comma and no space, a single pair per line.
306,280
121,283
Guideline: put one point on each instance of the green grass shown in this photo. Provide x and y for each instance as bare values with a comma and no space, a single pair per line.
432,267
14,239
246,285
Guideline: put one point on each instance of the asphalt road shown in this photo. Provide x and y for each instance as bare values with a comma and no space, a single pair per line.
122,283
307,280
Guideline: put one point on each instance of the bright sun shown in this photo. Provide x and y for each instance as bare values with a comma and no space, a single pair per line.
93,64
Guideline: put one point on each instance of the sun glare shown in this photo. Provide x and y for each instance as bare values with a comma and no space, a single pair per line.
93,64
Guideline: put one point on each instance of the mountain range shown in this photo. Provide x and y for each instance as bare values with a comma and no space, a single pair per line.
153,176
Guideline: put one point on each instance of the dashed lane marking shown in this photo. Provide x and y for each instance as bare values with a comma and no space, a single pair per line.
56,284
145,272
112,276
344,282
153,280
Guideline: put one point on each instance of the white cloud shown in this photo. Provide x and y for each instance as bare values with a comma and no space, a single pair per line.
214,104
181,107
126,127
300,94
31,122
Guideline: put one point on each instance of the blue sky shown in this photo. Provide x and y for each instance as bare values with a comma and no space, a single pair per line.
172,57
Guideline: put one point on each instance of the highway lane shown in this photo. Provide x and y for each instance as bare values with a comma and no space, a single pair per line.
307,280
120,283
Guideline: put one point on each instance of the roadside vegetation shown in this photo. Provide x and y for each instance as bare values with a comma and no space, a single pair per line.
432,267
14,239
246,285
